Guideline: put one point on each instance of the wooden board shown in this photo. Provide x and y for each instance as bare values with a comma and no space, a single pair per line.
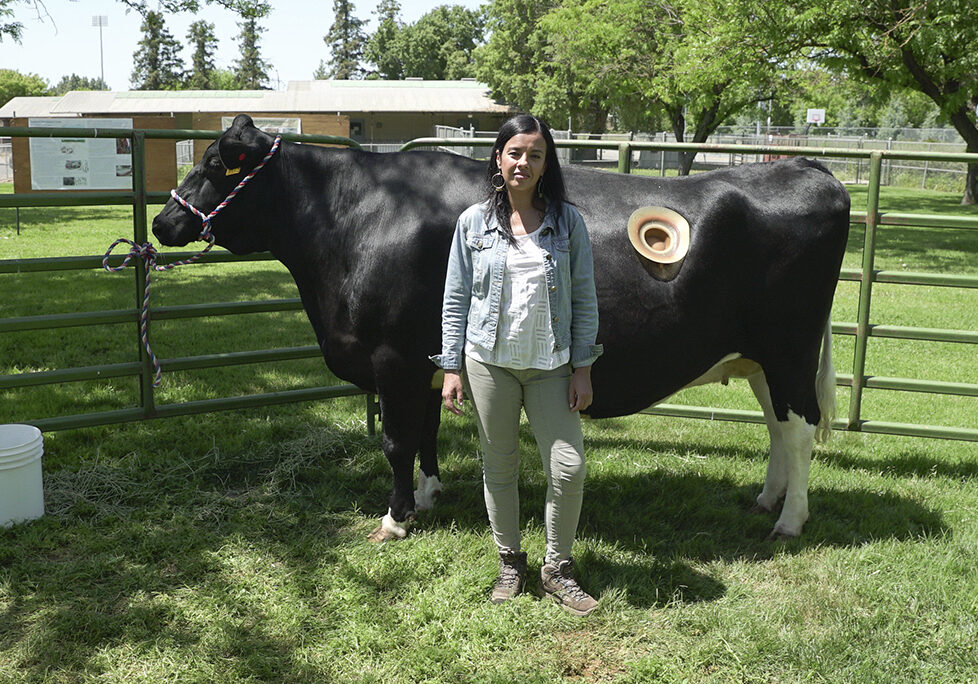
312,124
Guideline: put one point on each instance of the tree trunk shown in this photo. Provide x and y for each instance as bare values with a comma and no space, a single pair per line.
678,121
971,186
963,124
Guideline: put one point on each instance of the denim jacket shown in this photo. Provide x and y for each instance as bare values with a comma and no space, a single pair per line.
473,285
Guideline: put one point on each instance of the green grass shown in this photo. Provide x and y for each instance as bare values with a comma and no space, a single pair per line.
231,546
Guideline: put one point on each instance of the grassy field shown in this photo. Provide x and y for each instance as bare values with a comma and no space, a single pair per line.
232,546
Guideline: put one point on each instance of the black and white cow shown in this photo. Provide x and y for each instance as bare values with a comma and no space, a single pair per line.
366,238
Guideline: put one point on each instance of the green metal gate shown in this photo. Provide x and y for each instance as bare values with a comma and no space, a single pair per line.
141,365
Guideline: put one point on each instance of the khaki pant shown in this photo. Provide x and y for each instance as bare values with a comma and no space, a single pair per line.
498,394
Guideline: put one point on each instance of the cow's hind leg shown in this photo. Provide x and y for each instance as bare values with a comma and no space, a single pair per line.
429,481
776,481
788,465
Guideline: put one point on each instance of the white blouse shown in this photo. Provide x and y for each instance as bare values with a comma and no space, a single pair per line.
524,338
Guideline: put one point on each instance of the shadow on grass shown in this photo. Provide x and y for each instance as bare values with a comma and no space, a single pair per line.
140,543
907,463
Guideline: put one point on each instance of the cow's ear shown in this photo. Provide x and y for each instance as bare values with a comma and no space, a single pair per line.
242,146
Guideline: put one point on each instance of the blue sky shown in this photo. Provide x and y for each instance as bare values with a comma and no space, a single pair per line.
66,42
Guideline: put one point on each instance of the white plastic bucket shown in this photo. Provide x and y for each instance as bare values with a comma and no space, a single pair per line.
21,486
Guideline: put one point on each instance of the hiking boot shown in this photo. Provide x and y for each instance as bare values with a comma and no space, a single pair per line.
558,583
512,574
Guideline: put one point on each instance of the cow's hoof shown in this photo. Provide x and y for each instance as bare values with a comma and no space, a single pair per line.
782,532
427,492
389,529
773,508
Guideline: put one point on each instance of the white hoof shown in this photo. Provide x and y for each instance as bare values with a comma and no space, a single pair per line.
428,490
389,529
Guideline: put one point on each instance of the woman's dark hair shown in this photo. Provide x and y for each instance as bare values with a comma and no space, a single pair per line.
553,180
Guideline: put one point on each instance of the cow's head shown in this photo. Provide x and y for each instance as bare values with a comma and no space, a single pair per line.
228,159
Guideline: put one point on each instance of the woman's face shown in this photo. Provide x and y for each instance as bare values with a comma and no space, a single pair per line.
522,161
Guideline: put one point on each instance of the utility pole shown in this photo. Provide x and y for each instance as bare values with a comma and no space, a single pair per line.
100,20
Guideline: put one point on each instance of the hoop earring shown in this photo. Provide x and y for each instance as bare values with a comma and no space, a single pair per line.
498,185
540,188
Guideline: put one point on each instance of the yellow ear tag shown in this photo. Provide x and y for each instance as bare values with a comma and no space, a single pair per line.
231,172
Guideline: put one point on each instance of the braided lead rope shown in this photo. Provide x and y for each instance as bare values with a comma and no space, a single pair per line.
147,252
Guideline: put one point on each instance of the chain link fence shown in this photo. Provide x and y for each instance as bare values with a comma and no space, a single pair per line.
933,175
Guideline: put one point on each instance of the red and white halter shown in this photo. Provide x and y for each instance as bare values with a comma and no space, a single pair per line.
148,253
205,233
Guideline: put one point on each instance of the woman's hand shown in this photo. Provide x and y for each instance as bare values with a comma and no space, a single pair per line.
580,395
451,392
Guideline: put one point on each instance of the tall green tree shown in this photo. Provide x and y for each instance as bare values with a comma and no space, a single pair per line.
156,62
380,49
512,61
691,63
15,84
924,45
250,70
346,41
440,45
204,43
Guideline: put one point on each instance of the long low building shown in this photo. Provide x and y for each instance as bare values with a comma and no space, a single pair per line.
375,112
367,111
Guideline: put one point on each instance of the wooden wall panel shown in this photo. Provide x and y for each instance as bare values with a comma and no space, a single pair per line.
312,124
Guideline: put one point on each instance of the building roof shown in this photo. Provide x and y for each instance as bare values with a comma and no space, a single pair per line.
300,96
30,106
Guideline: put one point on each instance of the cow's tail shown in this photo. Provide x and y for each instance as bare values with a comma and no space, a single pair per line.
825,387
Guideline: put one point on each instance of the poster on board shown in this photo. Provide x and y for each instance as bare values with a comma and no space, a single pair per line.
69,163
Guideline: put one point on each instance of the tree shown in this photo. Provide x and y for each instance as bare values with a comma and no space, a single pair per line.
76,82
927,46
346,40
201,37
692,62
439,45
156,62
250,70
380,48
15,84
511,61
224,79
14,29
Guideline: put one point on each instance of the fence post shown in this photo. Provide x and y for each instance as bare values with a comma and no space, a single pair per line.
662,158
865,289
140,236
624,157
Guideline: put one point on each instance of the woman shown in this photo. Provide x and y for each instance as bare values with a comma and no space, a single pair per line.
520,309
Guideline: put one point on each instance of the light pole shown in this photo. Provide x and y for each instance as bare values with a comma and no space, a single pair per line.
100,20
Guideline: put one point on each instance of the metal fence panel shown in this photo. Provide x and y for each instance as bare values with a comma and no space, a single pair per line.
875,161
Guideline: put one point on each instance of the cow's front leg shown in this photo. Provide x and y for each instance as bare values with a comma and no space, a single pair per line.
798,440
401,437
429,482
